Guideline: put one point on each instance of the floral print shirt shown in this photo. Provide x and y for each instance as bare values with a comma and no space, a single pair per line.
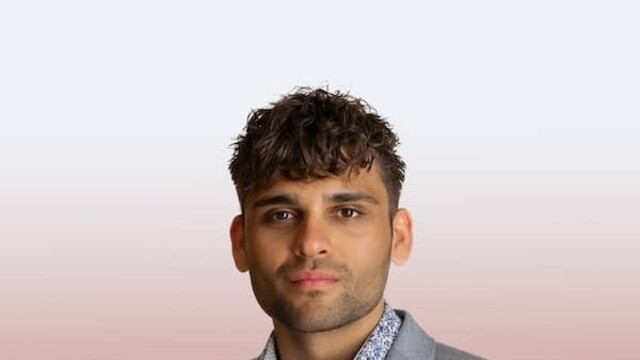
375,347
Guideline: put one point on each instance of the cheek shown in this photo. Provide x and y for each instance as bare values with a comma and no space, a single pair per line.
266,254
368,248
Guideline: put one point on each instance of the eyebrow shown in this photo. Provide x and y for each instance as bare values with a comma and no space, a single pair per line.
338,198
351,197
278,199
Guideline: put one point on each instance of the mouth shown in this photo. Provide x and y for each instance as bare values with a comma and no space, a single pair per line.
312,280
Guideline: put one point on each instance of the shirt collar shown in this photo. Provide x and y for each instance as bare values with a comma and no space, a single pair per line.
375,347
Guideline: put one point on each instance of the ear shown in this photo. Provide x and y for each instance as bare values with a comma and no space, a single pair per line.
236,232
402,241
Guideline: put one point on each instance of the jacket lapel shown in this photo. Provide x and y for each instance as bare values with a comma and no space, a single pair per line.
411,342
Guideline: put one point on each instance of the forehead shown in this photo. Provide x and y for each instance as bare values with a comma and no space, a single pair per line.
367,181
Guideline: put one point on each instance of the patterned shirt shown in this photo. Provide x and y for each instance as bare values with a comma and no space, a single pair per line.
375,347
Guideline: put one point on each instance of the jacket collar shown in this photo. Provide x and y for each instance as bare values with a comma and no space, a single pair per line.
411,342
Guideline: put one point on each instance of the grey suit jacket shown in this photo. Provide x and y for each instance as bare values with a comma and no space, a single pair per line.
413,343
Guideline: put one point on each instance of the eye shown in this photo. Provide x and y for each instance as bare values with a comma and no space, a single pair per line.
348,213
280,216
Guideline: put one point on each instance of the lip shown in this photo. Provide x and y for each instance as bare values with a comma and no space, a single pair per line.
312,280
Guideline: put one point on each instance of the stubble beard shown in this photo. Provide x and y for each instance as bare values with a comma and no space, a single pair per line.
359,297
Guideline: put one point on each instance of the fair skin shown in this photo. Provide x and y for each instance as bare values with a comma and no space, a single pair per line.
318,253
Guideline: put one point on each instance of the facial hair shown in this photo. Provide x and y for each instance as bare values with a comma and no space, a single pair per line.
359,296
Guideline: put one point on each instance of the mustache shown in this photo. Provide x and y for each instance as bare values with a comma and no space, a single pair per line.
337,269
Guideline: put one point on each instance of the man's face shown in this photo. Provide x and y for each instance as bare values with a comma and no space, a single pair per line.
318,252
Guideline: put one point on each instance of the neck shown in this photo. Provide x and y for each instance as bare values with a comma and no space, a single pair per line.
337,344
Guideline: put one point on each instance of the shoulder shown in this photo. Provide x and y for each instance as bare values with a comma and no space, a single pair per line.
412,342
446,352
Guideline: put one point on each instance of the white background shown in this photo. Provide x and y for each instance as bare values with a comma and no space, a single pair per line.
519,121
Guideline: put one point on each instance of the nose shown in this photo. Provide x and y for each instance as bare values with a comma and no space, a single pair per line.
312,240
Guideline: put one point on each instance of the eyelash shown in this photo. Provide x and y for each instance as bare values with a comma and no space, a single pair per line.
341,213
274,216
354,213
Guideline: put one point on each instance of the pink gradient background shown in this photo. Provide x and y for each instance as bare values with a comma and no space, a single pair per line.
520,125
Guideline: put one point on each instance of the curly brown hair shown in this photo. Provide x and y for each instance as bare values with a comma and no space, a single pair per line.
312,134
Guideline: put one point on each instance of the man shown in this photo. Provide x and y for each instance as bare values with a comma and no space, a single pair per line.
319,181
